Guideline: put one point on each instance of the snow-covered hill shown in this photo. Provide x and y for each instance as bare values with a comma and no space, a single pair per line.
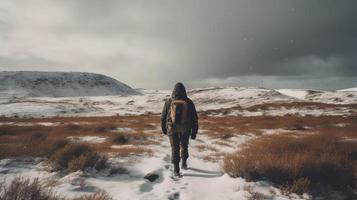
349,90
215,101
60,84
347,96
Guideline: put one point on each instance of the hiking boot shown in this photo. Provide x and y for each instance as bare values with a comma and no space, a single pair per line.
177,170
184,164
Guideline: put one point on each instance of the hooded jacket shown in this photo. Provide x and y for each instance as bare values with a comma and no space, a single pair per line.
179,93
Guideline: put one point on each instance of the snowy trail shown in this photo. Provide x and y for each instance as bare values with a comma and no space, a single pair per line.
199,174
203,180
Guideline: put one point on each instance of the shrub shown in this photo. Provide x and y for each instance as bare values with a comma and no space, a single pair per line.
87,160
298,186
299,164
26,189
76,157
132,138
101,129
21,188
121,139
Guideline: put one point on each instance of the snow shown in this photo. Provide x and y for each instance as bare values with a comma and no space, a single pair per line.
275,131
203,180
206,99
298,94
89,139
124,130
228,97
28,124
282,111
349,139
333,97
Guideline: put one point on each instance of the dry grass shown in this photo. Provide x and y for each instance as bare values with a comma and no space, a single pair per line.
26,189
226,127
125,151
74,157
283,105
295,162
32,144
298,164
133,139
43,141
21,188
205,148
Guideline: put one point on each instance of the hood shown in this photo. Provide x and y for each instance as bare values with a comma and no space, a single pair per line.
179,92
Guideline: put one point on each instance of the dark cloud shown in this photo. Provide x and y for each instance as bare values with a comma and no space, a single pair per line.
156,43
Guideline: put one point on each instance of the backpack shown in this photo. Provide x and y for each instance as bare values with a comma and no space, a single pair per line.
178,116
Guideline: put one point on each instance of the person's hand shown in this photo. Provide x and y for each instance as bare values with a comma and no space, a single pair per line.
193,137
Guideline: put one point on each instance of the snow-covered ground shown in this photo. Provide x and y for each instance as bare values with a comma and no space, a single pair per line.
206,99
299,94
88,139
203,180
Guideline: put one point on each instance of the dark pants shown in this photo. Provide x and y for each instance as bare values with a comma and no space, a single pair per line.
179,141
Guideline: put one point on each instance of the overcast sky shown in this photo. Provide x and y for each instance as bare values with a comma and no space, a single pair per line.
153,44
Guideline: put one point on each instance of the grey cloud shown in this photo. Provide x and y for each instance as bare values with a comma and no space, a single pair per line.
153,44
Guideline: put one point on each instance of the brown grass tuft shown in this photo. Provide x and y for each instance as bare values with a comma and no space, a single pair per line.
21,188
204,148
121,139
76,157
126,151
26,189
297,163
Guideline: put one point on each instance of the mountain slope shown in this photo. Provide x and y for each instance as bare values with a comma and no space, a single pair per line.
60,84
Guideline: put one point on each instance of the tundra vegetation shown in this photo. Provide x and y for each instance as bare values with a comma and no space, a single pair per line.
299,154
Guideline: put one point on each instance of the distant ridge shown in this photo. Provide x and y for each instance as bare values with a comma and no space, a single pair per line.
60,84
349,90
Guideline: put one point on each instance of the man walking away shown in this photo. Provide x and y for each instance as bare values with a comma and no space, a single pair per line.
179,122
